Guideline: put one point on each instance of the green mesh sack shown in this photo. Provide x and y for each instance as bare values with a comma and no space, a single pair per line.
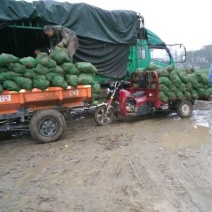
41,82
153,86
85,67
94,96
16,67
203,78
50,75
60,55
59,81
183,76
57,70
11,85
194,94
85,79
135,85
8,75
171,96
70,68
163,88
1,89
180,95
29,62
152,67
72,80
3,69
182,88
170,68
23,83
173,88
165,81
208,92
7,58
162,72
29,73
205,72
91,74
162,97
135,76
95,88
201,92
187,95
188,86
45,60
193,78
41,70
175,79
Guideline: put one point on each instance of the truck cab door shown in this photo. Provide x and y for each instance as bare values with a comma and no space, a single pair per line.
143,56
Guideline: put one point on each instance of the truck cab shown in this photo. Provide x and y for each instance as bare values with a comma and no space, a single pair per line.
153,50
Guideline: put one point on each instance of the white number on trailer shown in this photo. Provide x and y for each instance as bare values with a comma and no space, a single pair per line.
5,98
74,93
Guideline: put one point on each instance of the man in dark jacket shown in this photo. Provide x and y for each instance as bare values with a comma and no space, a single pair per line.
62,37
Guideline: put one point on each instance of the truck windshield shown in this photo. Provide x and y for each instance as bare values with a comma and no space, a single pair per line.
160,55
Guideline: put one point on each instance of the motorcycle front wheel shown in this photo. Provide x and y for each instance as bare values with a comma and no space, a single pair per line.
101,118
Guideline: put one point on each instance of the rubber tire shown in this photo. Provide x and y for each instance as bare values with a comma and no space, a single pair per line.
180,109
38,117
100,108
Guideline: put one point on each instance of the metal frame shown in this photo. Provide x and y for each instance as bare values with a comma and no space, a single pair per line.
26,24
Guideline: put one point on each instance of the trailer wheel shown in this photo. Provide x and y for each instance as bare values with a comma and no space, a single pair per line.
185,109
47,126
100,118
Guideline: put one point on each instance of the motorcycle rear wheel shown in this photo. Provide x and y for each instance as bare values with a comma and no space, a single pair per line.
100,117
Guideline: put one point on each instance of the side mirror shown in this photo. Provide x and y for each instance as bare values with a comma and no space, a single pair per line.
178,52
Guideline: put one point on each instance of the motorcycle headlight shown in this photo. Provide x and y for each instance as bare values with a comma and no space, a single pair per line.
108,91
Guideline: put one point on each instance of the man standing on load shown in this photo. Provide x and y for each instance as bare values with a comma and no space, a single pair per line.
62,37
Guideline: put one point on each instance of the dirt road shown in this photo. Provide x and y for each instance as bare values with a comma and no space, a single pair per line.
162,163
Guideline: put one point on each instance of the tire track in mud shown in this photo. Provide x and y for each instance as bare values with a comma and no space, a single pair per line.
192,184
121,167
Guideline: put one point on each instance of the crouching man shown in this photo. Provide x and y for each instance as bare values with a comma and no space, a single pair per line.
62,37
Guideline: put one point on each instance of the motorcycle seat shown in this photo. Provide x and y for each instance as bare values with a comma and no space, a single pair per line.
139,94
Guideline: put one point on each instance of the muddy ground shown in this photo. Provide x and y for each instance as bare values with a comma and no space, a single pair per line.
160,163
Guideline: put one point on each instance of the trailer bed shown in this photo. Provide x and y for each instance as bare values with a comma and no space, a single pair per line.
15,102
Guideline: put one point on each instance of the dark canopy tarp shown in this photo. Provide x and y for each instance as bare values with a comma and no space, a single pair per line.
105,36
117,26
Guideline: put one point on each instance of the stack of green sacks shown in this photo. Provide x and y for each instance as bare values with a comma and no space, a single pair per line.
181,84
45,71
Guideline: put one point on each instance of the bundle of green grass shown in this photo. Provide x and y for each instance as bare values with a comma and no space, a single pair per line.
181,84
44,71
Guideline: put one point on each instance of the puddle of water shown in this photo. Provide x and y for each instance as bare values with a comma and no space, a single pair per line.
194,137
203,118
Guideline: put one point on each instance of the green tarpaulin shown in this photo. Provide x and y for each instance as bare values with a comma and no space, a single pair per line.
117,26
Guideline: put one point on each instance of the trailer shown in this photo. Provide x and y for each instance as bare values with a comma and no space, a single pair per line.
42,113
